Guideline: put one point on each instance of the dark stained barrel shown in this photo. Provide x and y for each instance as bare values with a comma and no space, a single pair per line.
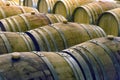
59,36
109,22
28,21
99,58
89,13
15,42
39,66
46,6
66,7
11,10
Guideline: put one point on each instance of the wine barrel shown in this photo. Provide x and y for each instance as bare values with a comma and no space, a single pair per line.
28,21
11,2
30,3
15,42
66,7
39,66
19,2
98,58
46,6
89,13
59,36
8,2
109,22
7,11
92,60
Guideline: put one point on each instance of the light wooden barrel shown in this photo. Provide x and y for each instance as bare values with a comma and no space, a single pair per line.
109,22
7,11
17,2
11,2
59,36
30,3
99,58
46,6
89,13
15,42
28,21
66,7
39,66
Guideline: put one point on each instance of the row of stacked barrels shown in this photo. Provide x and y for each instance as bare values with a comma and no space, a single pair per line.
93,12
43,46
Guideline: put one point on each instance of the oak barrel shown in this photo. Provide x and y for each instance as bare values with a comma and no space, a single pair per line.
15,42
109,22
10,10
66,7
99,58
55,37
89,13
19,2
59,36
30,3
39,66
92,60
8,2
46,6
28,21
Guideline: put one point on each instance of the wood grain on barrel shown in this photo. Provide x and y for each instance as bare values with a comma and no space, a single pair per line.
63,35
28,21
30,3
40,65
101,57
46,6
89,13
66,7
7,11
109,22
12,42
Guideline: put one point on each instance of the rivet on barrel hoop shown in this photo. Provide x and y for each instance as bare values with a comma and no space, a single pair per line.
110,37
15,56
33,13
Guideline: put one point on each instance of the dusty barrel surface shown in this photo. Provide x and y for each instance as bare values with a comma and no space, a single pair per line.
98,58
28,21
66,7
59,36
30,3
109,22
39,66
92,60
46,6
89,13
10,10
15,42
